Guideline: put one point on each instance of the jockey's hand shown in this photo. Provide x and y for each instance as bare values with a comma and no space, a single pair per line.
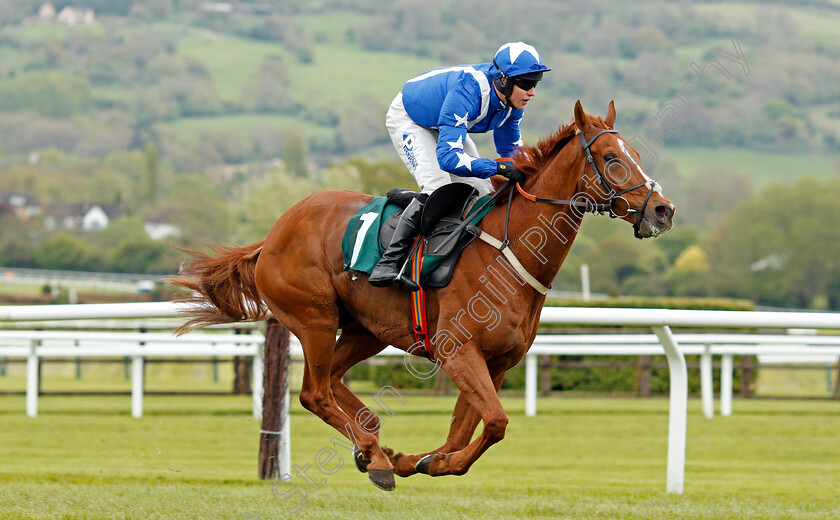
508,170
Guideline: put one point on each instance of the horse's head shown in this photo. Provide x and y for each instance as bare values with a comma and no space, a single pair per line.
613,175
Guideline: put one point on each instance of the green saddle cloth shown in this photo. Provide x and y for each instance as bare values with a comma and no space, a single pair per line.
361,247
360,244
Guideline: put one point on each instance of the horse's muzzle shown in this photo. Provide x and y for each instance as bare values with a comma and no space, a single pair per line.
655,221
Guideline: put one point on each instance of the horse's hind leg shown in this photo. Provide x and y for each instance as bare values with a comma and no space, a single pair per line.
315,326
316,396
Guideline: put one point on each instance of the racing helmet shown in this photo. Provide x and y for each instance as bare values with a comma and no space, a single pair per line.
516,60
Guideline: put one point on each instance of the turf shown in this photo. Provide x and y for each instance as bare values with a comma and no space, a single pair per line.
190,457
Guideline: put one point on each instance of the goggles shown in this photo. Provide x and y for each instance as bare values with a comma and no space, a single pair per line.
525,84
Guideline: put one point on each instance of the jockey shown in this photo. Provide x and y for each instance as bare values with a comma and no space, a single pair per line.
429,122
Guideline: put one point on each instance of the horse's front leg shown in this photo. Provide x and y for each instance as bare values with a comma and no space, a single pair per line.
465,420
468,370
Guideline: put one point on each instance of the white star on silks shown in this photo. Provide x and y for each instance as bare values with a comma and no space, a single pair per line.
465,160
457,144
461,120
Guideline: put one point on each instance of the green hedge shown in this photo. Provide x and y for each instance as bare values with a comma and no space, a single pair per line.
645,302
602,380
619,380
622,379
392,374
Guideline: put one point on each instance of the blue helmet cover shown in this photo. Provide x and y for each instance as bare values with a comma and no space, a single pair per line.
517,59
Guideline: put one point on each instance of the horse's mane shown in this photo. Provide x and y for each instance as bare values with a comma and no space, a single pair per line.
532,159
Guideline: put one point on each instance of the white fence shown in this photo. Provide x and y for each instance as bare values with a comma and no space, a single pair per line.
660,320
120,282
796,346
35,345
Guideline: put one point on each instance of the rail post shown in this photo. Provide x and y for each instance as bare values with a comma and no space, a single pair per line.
275,446
707,387
726,385
33,379
678,413
531,385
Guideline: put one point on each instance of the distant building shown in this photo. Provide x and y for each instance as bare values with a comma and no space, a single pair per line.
161,230
76,15
236,7
22,205
95,219
79,216
216,7
47,12
158,224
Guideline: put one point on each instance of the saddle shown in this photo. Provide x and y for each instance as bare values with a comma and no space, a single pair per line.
443,212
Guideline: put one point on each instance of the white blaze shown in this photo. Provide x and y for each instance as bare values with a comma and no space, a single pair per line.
650,183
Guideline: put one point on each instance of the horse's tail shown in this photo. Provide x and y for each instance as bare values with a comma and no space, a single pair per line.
222,289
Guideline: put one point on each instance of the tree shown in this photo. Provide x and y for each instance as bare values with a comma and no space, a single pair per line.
152,172
51,94
15,242
619,261
69,252
776,249
227,143
263,201
197,207
360,125
271,91
709,194
378,177
295,153
688,275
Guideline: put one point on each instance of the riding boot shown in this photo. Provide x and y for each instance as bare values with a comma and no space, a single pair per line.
390,268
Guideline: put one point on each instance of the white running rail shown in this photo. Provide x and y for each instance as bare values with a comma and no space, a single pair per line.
659,320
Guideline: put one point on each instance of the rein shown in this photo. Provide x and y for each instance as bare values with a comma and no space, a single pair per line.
598,208
585,205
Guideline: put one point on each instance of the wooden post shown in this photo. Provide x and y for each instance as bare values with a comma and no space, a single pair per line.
746,375
643,376
545,375
274,442
241,373
443,385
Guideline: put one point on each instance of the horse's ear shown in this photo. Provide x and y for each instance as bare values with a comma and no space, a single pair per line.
581,119
610,119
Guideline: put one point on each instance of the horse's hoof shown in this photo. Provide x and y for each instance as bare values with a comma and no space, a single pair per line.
423,465
382,478
360,460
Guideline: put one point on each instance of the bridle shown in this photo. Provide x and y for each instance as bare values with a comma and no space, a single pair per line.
585,205
614,195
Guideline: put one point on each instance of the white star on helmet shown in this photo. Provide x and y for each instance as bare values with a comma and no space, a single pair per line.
517,48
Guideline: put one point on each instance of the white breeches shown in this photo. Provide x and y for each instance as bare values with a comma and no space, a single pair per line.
417,145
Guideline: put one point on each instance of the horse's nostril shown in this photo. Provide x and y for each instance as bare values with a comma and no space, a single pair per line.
663,212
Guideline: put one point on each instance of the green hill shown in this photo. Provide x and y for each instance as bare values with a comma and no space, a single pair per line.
319,69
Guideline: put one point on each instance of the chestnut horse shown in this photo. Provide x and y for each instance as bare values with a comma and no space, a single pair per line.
481,324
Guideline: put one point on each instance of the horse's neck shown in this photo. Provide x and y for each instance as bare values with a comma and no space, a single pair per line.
541,234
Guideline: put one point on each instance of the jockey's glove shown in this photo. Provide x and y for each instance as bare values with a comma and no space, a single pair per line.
508,170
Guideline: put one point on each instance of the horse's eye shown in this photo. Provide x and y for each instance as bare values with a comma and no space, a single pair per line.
610,157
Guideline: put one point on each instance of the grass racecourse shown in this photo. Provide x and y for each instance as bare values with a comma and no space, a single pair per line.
580,458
